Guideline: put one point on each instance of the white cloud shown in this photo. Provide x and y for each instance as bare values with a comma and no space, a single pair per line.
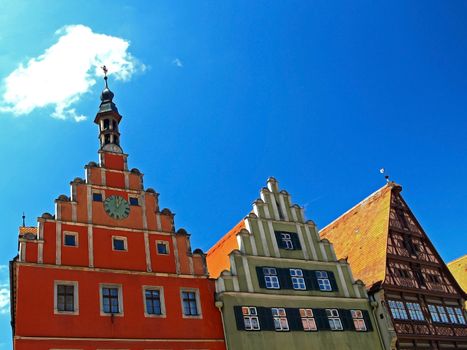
4,299
177,62
65,71
4,290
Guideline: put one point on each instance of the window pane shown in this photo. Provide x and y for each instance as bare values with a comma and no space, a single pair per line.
119,244
70,240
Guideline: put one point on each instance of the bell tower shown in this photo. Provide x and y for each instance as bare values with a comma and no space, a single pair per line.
108,118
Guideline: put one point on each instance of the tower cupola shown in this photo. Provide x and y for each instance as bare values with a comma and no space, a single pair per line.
108,119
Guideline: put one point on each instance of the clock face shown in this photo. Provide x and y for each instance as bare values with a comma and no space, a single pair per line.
117,207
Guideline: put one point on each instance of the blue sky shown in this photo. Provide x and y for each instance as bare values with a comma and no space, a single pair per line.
217,96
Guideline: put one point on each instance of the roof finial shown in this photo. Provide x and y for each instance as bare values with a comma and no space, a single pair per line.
383,171
104,68
24,220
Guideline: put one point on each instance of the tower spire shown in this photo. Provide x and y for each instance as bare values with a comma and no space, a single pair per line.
108,119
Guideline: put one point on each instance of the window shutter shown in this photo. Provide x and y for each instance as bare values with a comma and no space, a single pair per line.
295,321
239,318
310,280
280,242
265,318
347,320
295,241
260,274
366,317
321,319
332,280
284,278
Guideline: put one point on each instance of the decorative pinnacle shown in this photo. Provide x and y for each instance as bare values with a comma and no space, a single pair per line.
104,68
24,219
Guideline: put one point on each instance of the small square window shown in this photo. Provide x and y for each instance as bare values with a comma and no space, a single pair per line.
119,243
70,239
134,201
162,247
97,197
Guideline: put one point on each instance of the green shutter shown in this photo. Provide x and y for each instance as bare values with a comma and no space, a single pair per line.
260,275
294,319
265,318
366,317
347,320
332,280
321,319
239,318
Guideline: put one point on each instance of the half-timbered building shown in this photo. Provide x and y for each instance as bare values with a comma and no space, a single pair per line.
420,304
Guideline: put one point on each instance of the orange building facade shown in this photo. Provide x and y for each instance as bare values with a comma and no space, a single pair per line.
108,270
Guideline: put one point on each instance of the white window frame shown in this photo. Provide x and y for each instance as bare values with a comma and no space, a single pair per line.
161,298
279,315
460,315
98,192
307,316
135,197
434,313
443,315
75,297
125,243
287,240
358,320
249,316
198,302
296,275
71,233
399,311
334,320
167,246
120,299
324,283
271,278
415,311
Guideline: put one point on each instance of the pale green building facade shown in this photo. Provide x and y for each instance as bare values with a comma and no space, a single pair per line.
279,286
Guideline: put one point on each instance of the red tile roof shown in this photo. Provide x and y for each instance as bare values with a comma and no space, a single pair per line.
361,234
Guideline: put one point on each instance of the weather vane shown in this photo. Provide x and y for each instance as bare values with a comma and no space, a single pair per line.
104,68
383,171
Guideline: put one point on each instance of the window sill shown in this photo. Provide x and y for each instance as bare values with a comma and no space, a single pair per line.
196,317
66,313
154,315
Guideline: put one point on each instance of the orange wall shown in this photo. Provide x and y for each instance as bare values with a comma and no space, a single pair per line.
92,265
35,312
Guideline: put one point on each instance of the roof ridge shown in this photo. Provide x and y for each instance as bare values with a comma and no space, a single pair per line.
355,206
